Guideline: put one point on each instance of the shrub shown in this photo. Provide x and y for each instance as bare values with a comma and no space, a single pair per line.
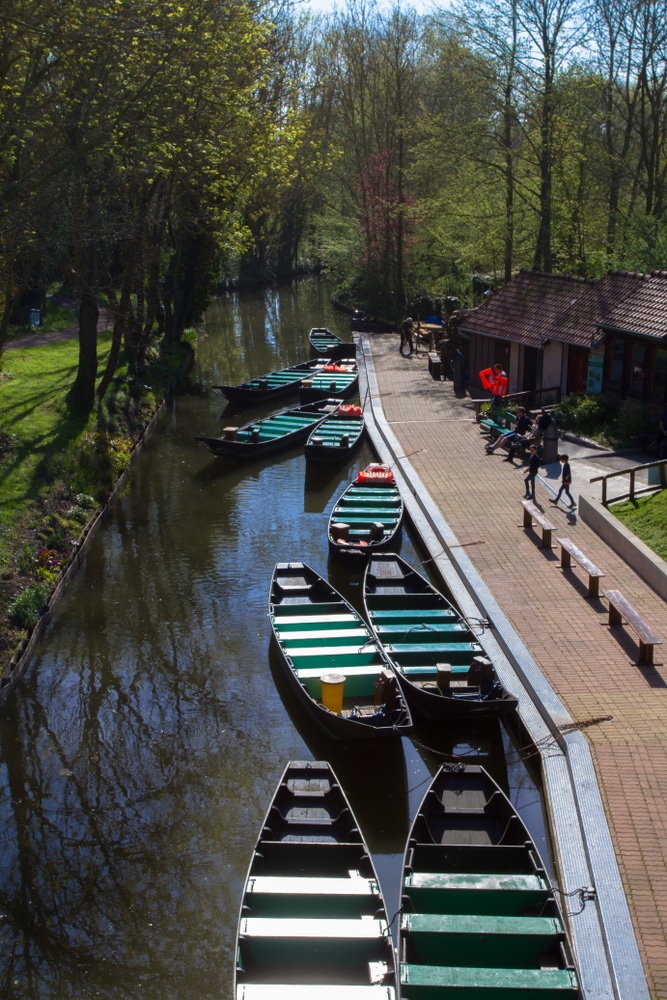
586,413
603,419
27,607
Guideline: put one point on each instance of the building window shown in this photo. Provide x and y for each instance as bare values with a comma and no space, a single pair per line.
617,362
658,394
638,369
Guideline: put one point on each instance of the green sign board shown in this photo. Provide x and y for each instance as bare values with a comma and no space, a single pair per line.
594,373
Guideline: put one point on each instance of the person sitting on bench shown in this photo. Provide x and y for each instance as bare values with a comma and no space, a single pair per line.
510,437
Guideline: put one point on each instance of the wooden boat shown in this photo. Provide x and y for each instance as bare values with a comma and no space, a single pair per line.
479,916
368,515
274,385
278,432
337,437
313,923
325,344
332,660
438,661
368,324
336,378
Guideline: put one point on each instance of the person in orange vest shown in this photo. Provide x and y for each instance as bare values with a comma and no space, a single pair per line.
498,387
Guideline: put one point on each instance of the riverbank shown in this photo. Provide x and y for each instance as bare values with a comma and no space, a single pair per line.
61,470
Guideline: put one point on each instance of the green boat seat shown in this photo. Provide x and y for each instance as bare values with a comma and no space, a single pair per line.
480,940
429,632
314,991
365,506
390,614
425,647
428,982
325,658
503,895
425,671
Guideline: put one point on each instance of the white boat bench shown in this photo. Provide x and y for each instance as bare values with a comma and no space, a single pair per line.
316,991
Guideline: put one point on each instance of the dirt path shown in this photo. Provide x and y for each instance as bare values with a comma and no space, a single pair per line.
38,339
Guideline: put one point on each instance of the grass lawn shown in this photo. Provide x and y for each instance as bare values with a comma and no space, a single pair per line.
57,466
33,386
647,518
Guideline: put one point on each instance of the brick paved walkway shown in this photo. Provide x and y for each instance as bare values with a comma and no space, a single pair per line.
590,667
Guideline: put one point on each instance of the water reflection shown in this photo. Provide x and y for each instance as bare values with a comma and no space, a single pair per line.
143,747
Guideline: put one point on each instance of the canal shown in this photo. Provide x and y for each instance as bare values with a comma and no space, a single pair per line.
140,751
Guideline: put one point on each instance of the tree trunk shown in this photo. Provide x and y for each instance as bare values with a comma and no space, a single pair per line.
82,394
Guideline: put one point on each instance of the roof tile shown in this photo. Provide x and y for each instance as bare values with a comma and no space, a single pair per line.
535,307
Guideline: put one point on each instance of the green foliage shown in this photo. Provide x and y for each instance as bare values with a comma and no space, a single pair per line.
26,609
587,413
601,418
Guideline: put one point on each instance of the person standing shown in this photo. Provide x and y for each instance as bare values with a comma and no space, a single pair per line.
533,466
406,334
566,482
498,387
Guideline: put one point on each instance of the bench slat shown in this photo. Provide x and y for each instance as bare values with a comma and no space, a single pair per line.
532,513
620,608
568,552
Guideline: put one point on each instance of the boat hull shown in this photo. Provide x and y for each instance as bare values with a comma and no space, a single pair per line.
340,379
439,664
367,517
266,388
331,661
337,438
325,344
312,919
271,435
478,912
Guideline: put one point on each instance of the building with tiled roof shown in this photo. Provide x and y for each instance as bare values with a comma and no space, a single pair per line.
558,334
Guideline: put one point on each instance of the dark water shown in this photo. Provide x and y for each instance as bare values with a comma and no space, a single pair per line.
140,753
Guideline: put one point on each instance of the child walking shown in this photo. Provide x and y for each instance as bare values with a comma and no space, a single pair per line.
533,466
566,482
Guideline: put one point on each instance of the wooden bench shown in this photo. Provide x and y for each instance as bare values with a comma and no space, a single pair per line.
494,428
569,551
435,365
532,513
619,609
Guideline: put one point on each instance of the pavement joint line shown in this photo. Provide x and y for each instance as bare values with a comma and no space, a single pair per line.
604,940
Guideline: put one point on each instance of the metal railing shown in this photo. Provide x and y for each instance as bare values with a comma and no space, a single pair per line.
530,398
635,490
